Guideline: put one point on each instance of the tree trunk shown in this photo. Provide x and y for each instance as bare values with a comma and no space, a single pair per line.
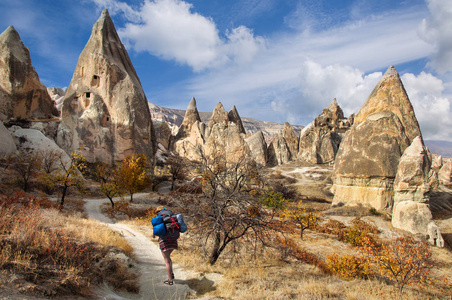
112,203
215,250
62,196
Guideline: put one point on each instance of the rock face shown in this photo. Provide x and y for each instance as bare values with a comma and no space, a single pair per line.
412,186
258,148
57,96
22,95
7,145
291,140
366,162
105,111
278,152
319,141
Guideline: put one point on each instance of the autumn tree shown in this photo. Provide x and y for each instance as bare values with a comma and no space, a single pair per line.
303,216
177,166
132,175
403,261
107,175
229,211
69,172
49,164
26,164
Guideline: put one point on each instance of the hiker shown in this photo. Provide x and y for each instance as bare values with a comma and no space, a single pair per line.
167,245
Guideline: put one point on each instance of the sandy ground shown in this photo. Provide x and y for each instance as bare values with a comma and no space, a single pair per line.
148,257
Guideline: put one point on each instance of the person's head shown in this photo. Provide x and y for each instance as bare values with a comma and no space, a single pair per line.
159,208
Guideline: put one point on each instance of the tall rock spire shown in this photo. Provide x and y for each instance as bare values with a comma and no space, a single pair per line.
234,117
22,95
105,111
190,118
367,160
191,115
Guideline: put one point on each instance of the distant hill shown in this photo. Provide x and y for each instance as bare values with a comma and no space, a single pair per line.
443,148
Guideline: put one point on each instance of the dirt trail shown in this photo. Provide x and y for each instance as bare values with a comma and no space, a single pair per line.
148,257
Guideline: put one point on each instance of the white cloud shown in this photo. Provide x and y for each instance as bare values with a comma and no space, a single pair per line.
431,105
170,30
242,45
437,30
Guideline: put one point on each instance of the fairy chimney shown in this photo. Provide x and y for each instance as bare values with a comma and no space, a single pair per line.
367,160
105,111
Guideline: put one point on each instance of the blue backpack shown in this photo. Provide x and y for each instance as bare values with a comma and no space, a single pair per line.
159,228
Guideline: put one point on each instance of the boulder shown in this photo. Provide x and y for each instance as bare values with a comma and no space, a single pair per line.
445,173
105,111
22,95
412,181
412,187
36,141
7,145
258,148
366,162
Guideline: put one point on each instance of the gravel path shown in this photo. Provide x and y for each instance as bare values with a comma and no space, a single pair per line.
148,257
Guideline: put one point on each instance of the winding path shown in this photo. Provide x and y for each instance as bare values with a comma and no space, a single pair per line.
148,257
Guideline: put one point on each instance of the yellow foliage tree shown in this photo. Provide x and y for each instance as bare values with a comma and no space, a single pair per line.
302,216
132,175
109,183
69,173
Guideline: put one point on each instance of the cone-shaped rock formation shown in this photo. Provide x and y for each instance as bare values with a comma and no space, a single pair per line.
234,117
367,160
22,95
219,115
105,111
190,118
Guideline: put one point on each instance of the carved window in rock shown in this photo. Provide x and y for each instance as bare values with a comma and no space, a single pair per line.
82,71
95,81
86,100
106,120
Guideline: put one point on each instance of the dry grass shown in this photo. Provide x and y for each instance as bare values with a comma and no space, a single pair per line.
53,254
277,273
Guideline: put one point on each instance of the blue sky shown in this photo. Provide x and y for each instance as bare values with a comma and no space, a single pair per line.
276,60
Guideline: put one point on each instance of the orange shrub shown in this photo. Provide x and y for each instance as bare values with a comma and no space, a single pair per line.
349,267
